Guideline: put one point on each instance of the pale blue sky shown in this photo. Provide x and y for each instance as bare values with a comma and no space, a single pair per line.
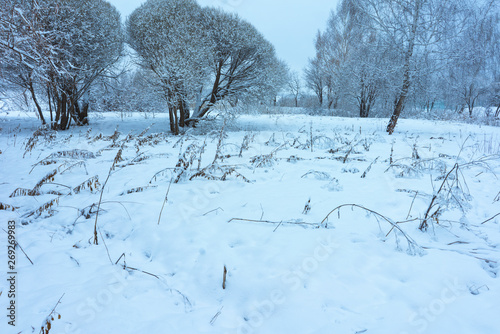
290,25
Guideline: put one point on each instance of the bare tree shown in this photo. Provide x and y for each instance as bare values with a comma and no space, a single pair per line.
314,79
295,86
471,69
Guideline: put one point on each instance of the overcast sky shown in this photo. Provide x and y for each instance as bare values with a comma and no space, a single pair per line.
290,25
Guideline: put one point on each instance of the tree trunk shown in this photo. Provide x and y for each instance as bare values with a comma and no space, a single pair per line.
406,77
171,118
64,113
58,112
363,112
176,122
38,108
84,114
184,112
50,107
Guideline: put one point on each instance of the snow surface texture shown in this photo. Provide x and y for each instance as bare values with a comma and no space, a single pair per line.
288,269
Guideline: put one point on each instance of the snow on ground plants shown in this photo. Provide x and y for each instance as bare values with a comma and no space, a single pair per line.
270,224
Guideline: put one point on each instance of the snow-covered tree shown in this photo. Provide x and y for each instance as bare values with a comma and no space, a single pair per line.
414,31
56,49
314,79
243,64
170,40
387,54
295,86
471,66
202,56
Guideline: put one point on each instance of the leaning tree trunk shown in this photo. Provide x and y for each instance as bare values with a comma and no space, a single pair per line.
38,108
406,77
84,113
82,109
184,112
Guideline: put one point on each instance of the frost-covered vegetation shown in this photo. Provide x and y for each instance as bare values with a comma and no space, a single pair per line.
197,187
312,224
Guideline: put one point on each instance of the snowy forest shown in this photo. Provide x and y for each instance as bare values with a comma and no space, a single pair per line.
168,172
375,58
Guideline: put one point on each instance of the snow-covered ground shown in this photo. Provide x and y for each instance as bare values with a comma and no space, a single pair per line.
293,265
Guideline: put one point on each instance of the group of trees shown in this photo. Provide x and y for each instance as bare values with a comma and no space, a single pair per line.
55,50
388,54
374,55
61,53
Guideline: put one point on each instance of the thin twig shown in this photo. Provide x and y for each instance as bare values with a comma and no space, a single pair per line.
423,226
411,206
105,246
124,261
214,210
142,271
50,314
271,222
224,278
22,250
410,241
115,161
498,214
214,318
165,200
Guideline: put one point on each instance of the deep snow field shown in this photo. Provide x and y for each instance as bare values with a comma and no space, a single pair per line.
259,203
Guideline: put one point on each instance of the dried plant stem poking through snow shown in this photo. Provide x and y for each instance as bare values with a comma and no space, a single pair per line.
413,247
165,200
224,278
47,326
117,159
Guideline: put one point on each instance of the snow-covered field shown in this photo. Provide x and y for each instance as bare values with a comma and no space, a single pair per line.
256,199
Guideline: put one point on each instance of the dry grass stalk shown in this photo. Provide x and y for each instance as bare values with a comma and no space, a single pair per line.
292,222
136,190
47,178
72,154
45,208
413,247
24,192
245,145
118,158
210,172
165,200
36,190
445,194
369,168
224,278
92,184
151,140
70,167
266,160
7,207
44,133
47,326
